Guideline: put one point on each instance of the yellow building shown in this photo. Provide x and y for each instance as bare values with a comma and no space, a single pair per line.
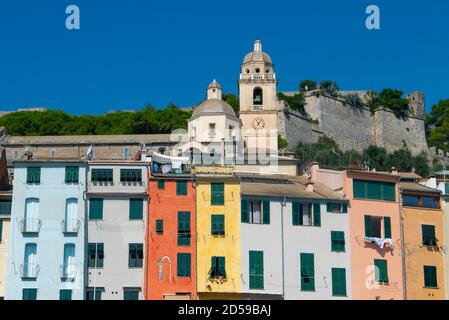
423,240
218,233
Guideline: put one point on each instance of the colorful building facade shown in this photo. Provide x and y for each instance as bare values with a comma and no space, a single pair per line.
423,242
218,233
171,235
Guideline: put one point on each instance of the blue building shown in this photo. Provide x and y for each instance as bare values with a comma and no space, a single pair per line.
46,258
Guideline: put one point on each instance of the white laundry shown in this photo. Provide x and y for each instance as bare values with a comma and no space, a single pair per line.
381,242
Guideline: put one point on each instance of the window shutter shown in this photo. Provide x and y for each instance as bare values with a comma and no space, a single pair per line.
344,208
217,194
181,188
65,295
301,218
221,266
367,226
387,227
213,266
161,184
381,270
96,209
295,214
256,270
317,214
329,207
359,189
307,271
266,212
339,282
1,230
389,191
29,177
136,209
244,211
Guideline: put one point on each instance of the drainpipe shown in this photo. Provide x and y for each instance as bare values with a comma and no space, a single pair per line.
283,203
401,221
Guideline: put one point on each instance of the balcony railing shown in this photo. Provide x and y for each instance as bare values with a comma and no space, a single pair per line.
68,272
258,76
30,225
29,271
71,225
258,108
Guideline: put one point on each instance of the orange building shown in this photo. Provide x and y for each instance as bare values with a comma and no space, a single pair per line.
171,236
423,242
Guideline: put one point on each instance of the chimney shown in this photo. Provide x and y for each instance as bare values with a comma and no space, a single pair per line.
309,185
314,171
394,171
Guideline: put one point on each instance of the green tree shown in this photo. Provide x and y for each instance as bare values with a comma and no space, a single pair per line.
329,87
282,142
307,85
295,102
390,99
233,101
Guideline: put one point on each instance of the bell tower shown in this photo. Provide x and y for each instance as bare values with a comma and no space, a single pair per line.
257,91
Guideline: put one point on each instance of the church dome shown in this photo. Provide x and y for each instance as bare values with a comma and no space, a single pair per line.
214,106
257,55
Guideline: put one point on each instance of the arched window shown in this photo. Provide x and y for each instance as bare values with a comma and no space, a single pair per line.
258,96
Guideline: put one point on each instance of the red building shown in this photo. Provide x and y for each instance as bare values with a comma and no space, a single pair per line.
171,236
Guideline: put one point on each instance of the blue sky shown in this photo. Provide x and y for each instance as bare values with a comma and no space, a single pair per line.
129,53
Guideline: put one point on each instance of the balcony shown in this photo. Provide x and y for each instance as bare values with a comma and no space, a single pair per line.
30,226
258,76
70,226
257,108
29,271
68,272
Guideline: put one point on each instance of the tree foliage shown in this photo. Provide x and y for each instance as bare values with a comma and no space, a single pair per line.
296,102
307,85
390,99
282,142
233,101
437,123
329,87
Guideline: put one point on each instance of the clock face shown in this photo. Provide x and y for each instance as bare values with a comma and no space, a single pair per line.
258,123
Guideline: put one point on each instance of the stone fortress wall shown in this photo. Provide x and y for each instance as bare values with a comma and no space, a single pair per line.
354,128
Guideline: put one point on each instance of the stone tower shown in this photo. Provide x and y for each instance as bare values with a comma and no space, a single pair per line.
257,91
417,104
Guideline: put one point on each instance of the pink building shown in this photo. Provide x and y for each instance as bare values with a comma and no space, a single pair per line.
375,230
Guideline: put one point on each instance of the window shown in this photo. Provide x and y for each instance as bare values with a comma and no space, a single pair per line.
136,209
135,255
338,241
217,193
307,270
211,129
30,266
431,202
96,209
159,227
181,188
130,175
373,227
428,235
183,228
410,201
29,294
94,294
71,222
5,207
339,282
255,211
161,184
31,222
65,294
218,225
306,214
430,277
256,278
258,95
374,190
131,294
102,175
419,201
95,255
337,207
125,153
33,175
217,269
71,174
184,264
69,266
381,270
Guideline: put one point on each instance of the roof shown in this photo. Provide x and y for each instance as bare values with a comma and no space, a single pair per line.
257,56
409,175
414,186
214,106
87,140
285,186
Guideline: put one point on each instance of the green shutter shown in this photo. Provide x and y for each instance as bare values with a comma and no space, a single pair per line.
317,214
130,295
96,209
374,190
307,272
1,230
337,241
296,214
430,277
344,208
184,265
222,266
183,228
65,294
160,226
244,211
329,207
33,175
71,174
181,188
136,209
266,212
217,224
368,226
161,184
388,191
256,271
213,266
339,282
217,194
381,270
29,294
387,227
359,189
